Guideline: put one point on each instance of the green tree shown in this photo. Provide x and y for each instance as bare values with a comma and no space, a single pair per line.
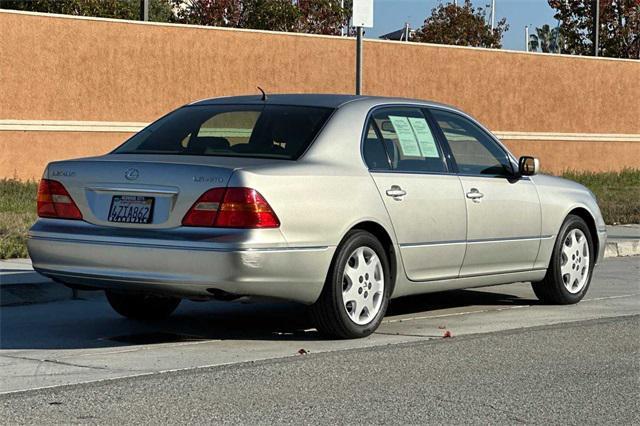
310,16
159,10
619,32
462,26
547,39
323,16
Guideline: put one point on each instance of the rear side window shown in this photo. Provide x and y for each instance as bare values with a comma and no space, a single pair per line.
270,131
403,139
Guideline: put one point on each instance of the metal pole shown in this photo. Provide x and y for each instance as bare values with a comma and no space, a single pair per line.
558,48
359,61
493,14
596,29
144,10
526,38
342,27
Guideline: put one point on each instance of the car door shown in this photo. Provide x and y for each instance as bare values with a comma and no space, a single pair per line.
423,198
503,210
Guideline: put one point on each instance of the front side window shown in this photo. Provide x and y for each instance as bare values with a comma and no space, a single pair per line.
270,131
474,151
404,135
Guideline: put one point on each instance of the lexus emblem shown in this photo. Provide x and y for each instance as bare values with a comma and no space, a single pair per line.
132,174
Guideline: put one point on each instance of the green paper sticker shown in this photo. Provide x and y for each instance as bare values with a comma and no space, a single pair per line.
406,137
425,137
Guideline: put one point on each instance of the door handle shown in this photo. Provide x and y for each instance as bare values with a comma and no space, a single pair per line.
475,195
396,192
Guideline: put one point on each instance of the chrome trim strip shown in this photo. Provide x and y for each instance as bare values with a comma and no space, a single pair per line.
177,247
133,188
486,240
434,243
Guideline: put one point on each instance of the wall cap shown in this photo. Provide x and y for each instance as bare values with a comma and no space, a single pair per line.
289,34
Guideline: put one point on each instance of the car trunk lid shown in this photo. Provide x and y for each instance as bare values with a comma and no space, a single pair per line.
142,191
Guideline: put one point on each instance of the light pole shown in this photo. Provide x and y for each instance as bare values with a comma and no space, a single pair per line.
359,61
596,28
342,27
362,17
144,10
526,38
493,14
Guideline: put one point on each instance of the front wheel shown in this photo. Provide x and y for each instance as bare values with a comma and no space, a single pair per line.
571,267
356,292
142,306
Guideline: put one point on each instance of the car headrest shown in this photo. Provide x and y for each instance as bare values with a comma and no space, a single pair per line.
201,144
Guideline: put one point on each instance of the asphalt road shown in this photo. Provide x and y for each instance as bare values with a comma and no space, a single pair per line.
581,373
511,359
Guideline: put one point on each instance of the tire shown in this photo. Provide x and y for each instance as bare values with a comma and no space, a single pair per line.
141,306
571,268
350,308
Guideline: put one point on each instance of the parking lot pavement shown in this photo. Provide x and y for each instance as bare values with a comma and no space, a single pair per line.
578,373
78,341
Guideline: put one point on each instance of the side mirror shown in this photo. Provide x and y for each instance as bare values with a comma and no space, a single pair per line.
528,166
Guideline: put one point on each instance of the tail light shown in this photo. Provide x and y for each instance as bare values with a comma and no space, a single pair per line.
231,208
54,201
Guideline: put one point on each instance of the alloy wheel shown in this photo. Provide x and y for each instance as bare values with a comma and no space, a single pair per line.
574,261
363,285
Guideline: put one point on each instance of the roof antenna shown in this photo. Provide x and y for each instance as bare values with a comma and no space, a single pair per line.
264,95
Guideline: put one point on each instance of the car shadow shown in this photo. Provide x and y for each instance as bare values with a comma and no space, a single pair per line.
90,323
454,298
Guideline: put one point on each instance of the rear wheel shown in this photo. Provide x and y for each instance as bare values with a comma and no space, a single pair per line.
571,267
356,293
141,306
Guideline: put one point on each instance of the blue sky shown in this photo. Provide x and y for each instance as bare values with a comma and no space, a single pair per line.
390,15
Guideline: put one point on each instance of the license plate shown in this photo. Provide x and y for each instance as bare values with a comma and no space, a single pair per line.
131,209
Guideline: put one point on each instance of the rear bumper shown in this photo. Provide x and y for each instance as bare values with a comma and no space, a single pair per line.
178,265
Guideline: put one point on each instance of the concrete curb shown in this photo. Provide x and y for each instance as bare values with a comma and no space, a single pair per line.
21,285
622,248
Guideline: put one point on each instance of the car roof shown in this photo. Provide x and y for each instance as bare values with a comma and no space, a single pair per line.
311,99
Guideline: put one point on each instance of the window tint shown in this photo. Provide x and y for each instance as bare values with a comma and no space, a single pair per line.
404,135
375,154
270,131
474,151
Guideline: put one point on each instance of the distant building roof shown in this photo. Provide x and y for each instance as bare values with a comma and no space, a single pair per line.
398,35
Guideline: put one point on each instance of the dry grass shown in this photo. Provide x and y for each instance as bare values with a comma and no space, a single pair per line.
17,214
618,193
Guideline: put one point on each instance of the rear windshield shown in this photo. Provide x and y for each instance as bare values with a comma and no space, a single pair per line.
269,131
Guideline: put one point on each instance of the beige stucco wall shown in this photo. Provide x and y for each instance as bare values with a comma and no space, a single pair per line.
61,68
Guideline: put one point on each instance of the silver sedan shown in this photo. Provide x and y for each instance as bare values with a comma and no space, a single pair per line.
338,202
